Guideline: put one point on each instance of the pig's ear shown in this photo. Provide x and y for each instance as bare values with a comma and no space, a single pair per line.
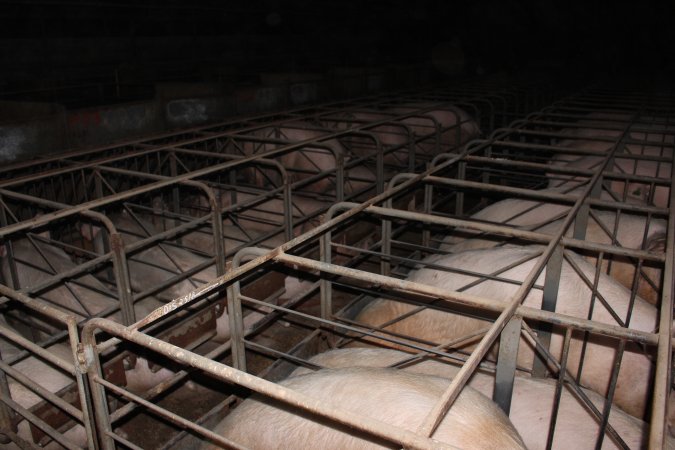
89,231
656,243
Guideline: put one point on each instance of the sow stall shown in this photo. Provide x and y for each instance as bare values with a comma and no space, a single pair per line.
166,191
511,164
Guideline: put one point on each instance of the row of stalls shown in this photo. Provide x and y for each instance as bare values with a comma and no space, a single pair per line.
151,286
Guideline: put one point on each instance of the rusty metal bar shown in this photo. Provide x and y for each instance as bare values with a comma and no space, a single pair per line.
506,364
435,416
175,418
659,412
504,230
473,301
324,408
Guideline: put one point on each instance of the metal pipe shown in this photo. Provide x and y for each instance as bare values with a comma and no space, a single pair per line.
659,412
461,298
324,407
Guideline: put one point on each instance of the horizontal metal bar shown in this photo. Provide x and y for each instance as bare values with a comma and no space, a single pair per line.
171,417
473,301
324,407
511,232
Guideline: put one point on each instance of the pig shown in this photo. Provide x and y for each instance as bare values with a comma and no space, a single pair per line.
152,266
53,380
392,396
246,231
531,405
33,269
446,117
582,139
633,387
659,196
263,215
392,135
642,191
515,212
305,162
90,292
629,234
47,376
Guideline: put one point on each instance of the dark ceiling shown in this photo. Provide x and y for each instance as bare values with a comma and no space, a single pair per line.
45,42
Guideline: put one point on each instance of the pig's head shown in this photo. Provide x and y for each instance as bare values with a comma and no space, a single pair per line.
89,231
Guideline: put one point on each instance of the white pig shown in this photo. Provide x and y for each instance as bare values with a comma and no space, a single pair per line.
635,189
531,404
306,161
393,135
629,234
392,396
33,269
638,190
634,381
152,266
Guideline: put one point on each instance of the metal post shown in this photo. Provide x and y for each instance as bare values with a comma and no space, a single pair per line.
325,286
506,364
5,410
548,303
122,279
236,320
89,359
100,241
82,387
459,195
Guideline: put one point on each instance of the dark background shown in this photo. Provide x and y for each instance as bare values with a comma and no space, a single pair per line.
47,44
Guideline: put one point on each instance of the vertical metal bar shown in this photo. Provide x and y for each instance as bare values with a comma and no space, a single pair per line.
175,193
506,364
658,433
581,219
325,286
548,303
485,178
379,169
22,325
233,183
100,241
339,177
459,196
559,387
428,202
5,410
82,386
610,395
236,327
288,210
385,260
218,241
91,362
122,280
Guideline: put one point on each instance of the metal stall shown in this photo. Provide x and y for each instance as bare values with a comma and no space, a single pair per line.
159,205
601,311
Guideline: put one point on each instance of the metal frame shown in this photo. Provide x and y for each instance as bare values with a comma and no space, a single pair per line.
478,152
